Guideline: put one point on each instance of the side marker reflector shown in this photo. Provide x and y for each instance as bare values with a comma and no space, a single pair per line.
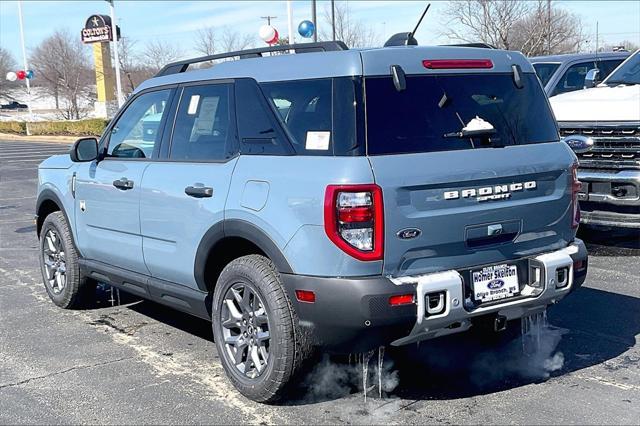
401,299
305,296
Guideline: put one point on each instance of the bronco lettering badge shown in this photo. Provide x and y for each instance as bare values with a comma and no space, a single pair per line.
487,193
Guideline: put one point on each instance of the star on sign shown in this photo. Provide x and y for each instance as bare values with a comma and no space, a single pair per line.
95,21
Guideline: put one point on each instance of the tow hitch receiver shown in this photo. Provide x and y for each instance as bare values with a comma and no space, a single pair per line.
499,323
491,323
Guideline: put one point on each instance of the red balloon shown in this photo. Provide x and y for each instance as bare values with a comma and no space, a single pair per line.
274,40
21,75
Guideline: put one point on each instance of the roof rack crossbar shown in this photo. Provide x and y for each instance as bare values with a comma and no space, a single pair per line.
323,46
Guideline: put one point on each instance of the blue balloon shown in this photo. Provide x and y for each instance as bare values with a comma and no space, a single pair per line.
29,74
306,29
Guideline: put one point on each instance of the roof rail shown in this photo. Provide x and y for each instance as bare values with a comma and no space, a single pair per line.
481,45
323,46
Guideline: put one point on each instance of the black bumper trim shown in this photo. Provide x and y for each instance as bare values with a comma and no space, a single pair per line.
351,314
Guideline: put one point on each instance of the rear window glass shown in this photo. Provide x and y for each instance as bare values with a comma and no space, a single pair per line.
545,71
433,109
319,114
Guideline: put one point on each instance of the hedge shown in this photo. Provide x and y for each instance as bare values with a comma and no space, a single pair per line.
90,127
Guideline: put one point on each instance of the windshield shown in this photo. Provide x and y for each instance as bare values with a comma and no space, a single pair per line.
545,71
482,109
628,72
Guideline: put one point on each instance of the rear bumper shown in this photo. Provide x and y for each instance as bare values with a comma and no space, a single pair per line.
610,197
354,315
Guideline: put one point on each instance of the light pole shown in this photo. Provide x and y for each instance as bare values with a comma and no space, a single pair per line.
24,62
114,45
333,20
313,18
292,37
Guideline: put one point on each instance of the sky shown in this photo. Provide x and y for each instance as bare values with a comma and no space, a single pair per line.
177,21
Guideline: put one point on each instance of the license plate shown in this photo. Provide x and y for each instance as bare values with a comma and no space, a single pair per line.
495,283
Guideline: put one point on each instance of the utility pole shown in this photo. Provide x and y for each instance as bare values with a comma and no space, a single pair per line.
268,18
548,27
292,37
333,19
114,45
313,18
24,62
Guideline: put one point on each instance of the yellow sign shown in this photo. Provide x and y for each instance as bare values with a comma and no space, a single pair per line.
104,72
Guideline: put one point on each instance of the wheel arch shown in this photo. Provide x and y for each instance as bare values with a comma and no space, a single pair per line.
47,203
228,240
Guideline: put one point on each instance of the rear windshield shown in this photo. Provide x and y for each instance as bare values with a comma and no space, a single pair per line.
545,71
426,116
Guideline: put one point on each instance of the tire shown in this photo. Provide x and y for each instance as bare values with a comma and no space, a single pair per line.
256,278
59,258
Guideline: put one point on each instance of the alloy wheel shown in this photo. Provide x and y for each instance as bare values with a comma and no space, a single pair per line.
245,328
54,261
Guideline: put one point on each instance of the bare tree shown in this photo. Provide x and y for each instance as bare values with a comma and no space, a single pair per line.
131,69
62,65
487,21
206,41
7,63
348,29
232,40
535,28
157,54
548,30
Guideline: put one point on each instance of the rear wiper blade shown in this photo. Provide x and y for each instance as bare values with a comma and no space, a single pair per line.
462,134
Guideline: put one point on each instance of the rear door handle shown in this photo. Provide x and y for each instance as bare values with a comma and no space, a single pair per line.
199,191
123,183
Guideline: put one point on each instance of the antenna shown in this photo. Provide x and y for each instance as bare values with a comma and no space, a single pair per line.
412,33
406,39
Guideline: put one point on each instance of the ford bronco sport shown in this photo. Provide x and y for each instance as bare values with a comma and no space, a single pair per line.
328,198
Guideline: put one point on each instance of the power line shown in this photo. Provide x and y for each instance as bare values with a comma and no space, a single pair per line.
268,18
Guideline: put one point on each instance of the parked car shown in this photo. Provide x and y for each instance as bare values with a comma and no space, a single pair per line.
13,105
297,208
602,124
566,73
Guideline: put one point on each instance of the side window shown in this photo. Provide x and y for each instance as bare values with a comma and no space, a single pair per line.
573,78
308,114
136,132
258,128
606,67
203,129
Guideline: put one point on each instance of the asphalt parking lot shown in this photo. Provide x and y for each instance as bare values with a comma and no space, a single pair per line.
138,362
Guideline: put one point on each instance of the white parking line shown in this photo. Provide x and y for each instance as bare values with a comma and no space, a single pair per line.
23,157
21,151
17,198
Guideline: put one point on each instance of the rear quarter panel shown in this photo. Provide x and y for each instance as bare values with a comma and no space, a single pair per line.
284,196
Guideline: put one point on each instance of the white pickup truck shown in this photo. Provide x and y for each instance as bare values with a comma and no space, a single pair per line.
602,125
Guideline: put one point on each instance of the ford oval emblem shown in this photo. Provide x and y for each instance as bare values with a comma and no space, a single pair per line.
495,284
579,144
409,233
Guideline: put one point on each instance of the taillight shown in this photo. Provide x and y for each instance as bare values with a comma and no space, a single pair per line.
575,188
353,219
444,64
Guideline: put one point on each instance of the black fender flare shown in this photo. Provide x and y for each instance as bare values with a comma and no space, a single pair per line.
49,195
236,228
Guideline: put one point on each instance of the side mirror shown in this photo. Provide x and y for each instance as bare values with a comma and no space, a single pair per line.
592,78
83,150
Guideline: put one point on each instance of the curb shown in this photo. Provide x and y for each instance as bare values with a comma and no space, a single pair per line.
38,138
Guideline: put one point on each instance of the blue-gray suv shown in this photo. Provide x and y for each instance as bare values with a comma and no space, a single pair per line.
327,198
